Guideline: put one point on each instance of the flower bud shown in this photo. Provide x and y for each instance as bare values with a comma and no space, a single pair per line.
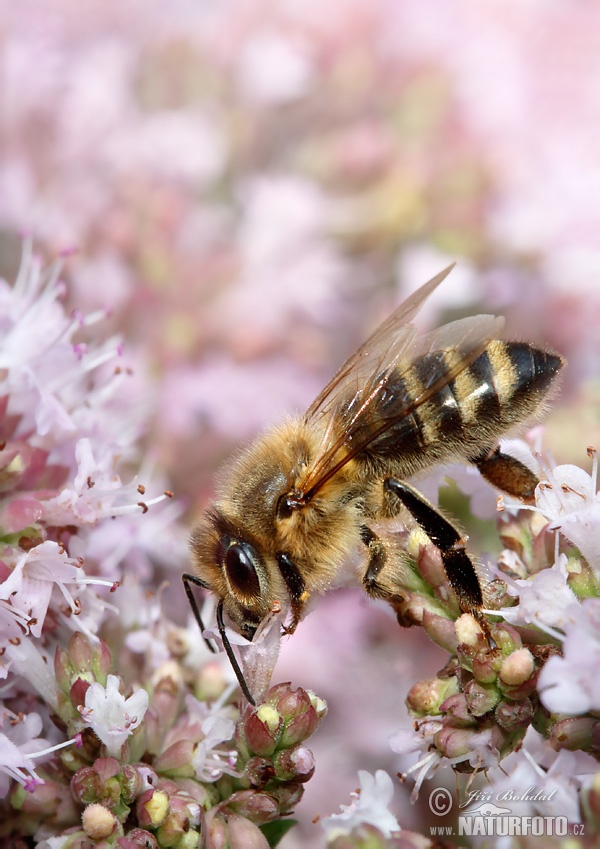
152,808
80,653
426,697
270,716
209,683
140,837
83,785
231,831
98,822
262,736
215,830
132,783
175,826
243,834
430,564
517,668
299,728
506,638
254,805
469,633
319,704
290,703
481,698
441,630
454,742
259,771
177,759
456,712
485,666
294,764
576,732
98,783
514,715
287,795
497,595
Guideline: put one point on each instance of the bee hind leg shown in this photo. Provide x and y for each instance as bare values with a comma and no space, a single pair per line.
508,474
460,571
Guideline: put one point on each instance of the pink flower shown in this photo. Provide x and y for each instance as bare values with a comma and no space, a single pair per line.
30,584
96,492
18,739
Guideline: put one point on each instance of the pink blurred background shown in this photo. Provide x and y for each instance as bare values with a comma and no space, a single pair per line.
251,186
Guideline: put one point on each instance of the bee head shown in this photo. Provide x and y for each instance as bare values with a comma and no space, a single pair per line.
228,560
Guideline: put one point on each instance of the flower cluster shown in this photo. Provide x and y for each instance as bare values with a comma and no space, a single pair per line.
115,727
523,688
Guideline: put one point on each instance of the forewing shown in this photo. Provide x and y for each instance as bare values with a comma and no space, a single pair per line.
387,344
348,400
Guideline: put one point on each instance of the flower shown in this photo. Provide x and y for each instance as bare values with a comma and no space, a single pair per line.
370,805
209,762
18,739
570,684
545,599
570,501
536,780
112,717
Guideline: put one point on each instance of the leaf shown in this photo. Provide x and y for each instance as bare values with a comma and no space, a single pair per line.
276,831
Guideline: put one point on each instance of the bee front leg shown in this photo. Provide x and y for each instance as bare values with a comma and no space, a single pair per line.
296,588
508,474
458,566
377,560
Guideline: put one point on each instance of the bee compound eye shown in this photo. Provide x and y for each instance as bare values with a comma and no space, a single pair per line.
239,563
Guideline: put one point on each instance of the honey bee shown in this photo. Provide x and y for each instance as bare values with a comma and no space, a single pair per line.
302,497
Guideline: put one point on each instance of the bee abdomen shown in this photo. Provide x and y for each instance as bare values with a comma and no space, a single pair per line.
442,409
520,375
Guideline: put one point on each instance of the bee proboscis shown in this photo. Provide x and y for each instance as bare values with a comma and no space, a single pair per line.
303,496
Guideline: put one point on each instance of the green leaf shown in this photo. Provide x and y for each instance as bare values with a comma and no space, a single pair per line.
276,831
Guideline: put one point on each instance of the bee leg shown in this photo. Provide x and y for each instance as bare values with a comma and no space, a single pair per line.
296,588
377,559
458,566
508,474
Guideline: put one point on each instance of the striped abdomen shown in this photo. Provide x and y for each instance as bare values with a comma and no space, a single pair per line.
436,410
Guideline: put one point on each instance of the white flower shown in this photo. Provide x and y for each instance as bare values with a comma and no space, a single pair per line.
208,761
570,684
112,717
545,599
536,769
370,806
212,757
569,500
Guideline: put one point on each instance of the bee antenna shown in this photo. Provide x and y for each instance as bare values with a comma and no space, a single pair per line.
232,658
188,579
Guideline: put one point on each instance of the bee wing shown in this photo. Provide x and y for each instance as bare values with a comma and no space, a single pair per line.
342,407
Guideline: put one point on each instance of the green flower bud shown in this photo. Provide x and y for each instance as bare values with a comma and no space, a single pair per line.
481,698
426,697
